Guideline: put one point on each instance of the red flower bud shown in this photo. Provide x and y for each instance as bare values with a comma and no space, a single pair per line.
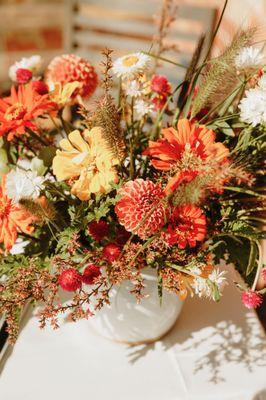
23,75
70,280
98,230
90,273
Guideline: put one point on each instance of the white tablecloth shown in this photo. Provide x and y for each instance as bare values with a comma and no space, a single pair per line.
214,352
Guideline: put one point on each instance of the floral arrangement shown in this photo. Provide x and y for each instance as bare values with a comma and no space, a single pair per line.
162,176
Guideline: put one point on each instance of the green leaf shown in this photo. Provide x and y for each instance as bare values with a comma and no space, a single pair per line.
252,257
47,154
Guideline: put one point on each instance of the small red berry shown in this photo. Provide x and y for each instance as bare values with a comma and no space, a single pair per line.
70,280
23,75
40,87
111,252
90,273
98,230
251,299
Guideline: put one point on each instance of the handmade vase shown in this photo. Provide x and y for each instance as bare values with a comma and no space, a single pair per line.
129,322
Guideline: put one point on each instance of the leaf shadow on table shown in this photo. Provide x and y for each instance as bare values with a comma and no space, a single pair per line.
213,335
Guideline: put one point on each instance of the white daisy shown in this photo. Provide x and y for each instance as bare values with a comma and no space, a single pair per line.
22,184
142,108
131,64
253,107
249,58
19,246
33,63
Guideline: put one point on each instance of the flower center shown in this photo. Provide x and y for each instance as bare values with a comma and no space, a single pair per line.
16,111
130,60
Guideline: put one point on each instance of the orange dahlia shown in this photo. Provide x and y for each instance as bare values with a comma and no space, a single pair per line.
18,110
71,68
141,209
187,226
13,219
184,150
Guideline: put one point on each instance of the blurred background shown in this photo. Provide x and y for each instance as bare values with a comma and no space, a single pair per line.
51,27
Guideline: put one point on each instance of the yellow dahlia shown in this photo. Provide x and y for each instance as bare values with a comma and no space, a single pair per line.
85,161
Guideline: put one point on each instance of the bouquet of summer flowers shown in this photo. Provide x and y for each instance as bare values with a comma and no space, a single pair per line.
150,174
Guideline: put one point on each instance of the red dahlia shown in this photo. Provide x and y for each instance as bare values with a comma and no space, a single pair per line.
69,68
251,299
141,209
187,225
98,230
90,273
70,280
111,252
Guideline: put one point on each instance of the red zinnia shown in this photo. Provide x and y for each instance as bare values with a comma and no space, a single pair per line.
70,280
40,87
141,209
251,299
98,230
90,273
70,68
18,111
187,225
111,252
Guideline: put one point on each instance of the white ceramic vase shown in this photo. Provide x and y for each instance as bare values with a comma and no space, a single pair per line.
128,322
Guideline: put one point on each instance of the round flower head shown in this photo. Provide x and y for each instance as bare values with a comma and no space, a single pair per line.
70,280
141,209
111,252
251,299
131,65
253,107
98,229
90,273
249,58
71,68
32,64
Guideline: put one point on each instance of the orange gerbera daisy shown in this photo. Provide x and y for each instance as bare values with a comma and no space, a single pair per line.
184,150
18,110
13,219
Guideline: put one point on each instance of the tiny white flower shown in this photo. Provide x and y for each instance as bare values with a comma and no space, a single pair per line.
21,184
19,246
132,88
33,63
142,108
218,277
201,287
253,107
249,58
131,64
262,82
